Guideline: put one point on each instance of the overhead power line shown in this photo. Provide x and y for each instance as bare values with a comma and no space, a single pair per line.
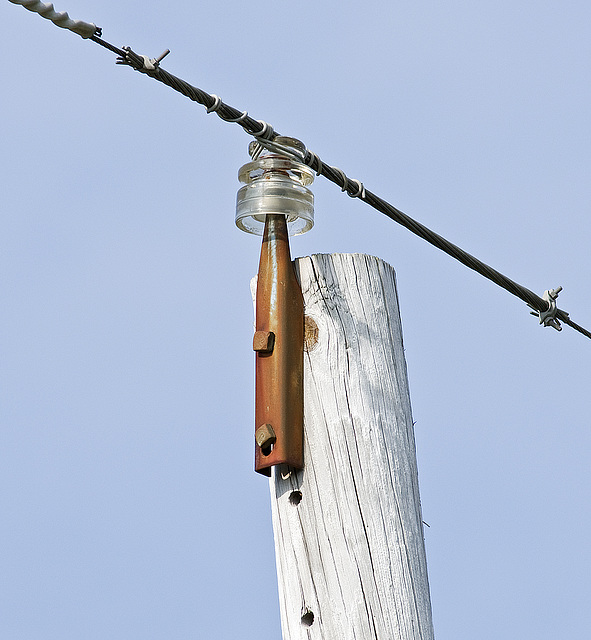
543,307
62,19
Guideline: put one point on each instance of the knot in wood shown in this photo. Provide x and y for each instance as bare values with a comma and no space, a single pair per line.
310,333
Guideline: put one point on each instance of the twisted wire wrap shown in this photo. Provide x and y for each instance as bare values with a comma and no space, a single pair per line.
60,19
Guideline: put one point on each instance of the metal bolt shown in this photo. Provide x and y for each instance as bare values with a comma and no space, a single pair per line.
263,341
265,436
161,57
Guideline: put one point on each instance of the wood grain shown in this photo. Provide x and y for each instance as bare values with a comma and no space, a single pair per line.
348,528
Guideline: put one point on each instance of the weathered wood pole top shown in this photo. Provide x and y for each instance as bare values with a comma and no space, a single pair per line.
348,527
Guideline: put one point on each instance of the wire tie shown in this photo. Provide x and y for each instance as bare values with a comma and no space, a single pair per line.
255,148
320,165
239,119
343,177
216,103
267,130
360,193
282,149
258,144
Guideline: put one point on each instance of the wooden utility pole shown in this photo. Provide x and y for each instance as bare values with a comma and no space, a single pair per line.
348,528
333,424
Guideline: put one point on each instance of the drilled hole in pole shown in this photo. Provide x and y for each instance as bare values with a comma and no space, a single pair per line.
295,497
307,619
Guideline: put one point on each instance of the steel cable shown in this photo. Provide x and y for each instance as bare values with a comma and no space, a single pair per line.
224,111
265,134
354,188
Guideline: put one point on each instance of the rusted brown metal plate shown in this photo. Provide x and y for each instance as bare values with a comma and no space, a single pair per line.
279,369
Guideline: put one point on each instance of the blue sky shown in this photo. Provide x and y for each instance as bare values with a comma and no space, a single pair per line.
130,508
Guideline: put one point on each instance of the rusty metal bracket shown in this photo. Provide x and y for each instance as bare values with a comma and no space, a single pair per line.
279,346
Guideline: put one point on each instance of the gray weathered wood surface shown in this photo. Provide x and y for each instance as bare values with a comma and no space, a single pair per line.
348,528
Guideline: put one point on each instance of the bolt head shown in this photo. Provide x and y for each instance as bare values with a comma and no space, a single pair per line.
265,435
263,341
